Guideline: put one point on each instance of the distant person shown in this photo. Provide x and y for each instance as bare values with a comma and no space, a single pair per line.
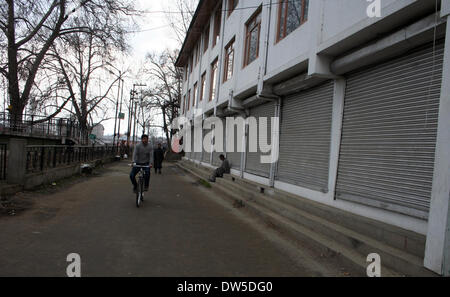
142,156
219,172
158,158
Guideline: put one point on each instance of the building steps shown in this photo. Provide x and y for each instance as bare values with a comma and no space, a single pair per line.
304,220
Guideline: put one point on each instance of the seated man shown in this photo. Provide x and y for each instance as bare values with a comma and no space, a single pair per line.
219,172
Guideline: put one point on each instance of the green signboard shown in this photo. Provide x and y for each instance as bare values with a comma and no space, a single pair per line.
92,136
121,116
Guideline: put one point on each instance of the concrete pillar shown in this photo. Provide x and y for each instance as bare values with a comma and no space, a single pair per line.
275,151
17,161
336,132
437,250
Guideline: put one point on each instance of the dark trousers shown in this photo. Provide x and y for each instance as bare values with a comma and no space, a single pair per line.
134,172
217,173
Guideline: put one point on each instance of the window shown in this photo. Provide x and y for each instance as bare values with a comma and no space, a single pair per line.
184,105
189,100
186,72
194,96
191,63
206,40
212,89
252,38
202,87
291,14
217,23
197,53
229,61
232,4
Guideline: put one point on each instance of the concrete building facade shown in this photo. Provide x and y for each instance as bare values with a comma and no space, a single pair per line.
361,90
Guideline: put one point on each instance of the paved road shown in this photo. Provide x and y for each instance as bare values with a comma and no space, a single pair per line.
182,230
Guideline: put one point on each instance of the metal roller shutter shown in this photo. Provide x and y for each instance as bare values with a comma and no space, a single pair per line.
305,135
185,142
235,157
216,160
205,155
389,133
196,155
253,161
192,144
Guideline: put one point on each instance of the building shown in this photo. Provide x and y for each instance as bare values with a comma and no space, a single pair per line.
99,132
363,101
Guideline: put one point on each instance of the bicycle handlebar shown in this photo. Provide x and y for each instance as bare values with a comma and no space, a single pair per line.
141,166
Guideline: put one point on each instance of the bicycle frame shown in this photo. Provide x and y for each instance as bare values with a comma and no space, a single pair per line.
140,175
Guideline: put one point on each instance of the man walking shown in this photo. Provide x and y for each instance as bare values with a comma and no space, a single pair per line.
142,156
158,158
219,172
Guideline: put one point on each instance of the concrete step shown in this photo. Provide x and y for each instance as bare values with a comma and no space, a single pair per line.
404,262
292,230
399,238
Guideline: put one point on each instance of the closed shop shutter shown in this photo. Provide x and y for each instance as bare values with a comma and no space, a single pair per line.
234,157
196,155
305,135
389,133
188,153
205,155
253,163
216,160
192,144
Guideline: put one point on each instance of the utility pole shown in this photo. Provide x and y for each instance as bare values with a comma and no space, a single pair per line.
120,112
130,117
117,107
135,103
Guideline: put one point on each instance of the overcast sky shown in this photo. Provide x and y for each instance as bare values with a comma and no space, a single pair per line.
155,36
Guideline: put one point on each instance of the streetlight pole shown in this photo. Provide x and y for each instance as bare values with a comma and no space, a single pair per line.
120,112
134,100
117,108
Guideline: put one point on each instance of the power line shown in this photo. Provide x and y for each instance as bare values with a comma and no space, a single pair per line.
223,10
146,30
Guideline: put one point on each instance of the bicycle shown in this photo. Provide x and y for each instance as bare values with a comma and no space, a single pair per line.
140,188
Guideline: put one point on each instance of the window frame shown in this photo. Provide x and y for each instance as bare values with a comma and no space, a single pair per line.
232,4
213,79
202,86
189,100
226,60
217,25
303,18
194,97
248,36
206,39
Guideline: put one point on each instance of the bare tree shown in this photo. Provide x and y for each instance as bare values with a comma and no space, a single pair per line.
165,93
29,29
179,16
82,59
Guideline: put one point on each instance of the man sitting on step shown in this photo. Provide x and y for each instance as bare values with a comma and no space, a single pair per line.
219,172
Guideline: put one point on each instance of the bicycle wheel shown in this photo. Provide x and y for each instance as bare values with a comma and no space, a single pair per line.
140,189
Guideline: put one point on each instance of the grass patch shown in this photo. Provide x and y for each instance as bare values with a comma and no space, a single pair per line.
204,183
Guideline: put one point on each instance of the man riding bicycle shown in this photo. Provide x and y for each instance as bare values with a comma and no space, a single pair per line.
142,156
